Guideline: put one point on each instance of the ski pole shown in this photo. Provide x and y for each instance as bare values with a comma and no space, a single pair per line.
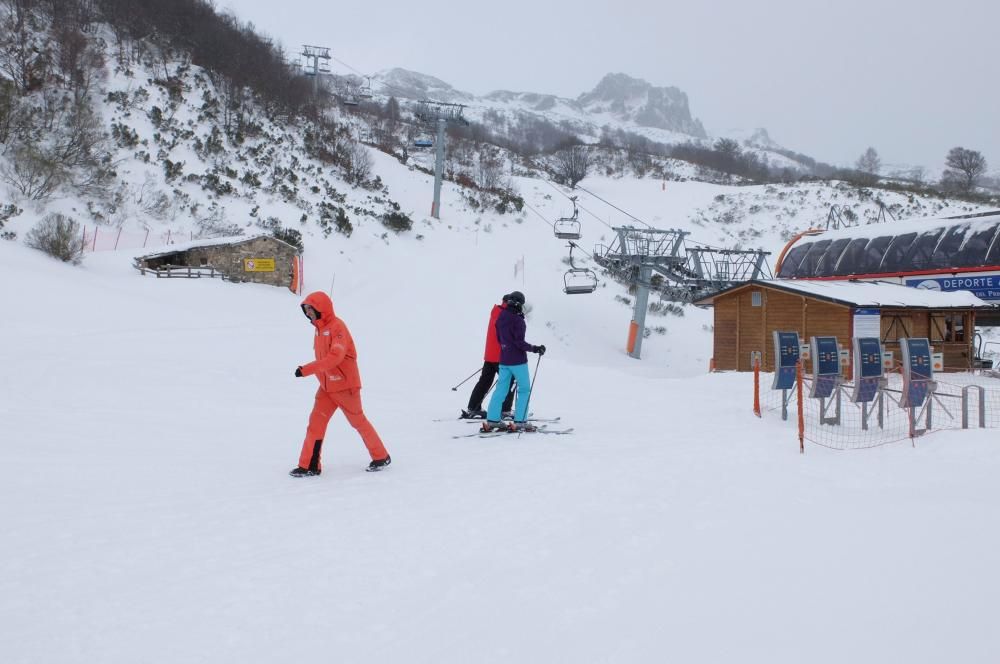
531,386
455,389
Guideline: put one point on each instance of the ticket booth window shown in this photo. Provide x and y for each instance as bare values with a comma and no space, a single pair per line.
948,327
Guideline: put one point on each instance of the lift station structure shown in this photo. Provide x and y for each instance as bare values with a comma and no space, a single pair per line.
687,271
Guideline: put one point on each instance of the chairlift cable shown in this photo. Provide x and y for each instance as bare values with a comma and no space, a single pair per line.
616,273
358,72
614,206
687,242
548,182
532,208
348,66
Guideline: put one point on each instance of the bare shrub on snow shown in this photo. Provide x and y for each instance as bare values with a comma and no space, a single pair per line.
58,236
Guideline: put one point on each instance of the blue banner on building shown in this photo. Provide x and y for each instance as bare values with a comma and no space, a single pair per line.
983,286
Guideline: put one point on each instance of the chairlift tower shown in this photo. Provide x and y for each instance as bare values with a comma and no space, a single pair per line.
691,270
315,54
440,114
639,251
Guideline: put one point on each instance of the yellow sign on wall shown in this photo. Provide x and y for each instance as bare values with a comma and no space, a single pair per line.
258,265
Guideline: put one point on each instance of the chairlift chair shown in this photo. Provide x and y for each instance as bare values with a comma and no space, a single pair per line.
349,95
366,90
578,280
568,228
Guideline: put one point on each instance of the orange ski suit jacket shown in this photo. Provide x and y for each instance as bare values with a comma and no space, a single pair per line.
336,364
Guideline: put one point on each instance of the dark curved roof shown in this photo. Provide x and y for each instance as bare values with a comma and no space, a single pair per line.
904,246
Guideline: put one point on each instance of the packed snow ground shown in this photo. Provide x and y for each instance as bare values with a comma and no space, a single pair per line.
147,426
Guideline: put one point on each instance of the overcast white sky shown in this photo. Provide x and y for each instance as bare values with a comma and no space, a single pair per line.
912,78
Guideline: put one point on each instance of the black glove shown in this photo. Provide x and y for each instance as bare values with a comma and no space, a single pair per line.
540,350
298,372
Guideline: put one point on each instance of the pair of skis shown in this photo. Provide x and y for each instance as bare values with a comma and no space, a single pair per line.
480,420
507,432
507,418
533,420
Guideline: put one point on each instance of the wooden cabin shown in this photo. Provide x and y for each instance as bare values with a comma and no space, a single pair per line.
746,315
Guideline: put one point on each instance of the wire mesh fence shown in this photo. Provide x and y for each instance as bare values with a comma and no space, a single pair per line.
109,238
844,421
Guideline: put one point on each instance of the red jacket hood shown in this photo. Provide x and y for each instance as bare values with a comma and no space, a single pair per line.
322,303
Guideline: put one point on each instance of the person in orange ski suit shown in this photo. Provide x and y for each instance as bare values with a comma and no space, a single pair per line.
336,368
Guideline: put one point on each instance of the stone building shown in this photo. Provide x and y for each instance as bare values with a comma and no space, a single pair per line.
262,259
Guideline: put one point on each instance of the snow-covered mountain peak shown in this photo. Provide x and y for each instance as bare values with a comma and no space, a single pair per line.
635,100
758,137
408,84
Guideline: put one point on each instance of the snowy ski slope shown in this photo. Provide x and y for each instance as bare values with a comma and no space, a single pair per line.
147,426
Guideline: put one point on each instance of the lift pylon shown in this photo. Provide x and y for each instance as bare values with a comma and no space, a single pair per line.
439,114
688,271
313,55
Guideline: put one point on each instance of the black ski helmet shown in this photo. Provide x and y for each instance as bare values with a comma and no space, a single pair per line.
516,296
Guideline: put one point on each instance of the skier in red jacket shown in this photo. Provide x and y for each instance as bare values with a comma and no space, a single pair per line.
491,366
336,368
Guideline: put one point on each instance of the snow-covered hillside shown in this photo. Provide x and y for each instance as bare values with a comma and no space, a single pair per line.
147,427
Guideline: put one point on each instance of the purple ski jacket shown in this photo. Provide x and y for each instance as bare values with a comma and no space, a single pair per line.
510,329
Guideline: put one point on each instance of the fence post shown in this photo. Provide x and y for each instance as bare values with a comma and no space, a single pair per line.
94,248
145,239
911,415
756,387
981,393
118,238
802,417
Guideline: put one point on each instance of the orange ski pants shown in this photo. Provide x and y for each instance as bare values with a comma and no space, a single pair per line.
325,406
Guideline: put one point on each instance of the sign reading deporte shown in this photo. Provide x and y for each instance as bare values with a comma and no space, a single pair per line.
258,265
983,286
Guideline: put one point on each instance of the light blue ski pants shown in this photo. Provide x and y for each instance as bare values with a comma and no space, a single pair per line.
518,372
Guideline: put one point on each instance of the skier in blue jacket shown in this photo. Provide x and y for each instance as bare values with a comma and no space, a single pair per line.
510,329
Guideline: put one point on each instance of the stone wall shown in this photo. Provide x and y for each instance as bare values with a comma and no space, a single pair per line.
231,260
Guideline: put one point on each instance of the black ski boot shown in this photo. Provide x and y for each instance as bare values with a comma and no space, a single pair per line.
299,471
379,464
473,414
